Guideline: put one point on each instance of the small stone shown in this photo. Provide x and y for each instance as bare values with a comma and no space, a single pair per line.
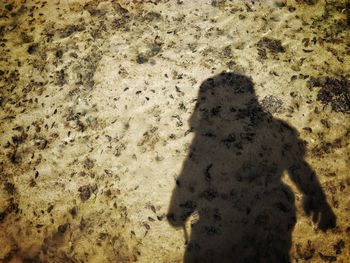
85,192
62,229
89,164
141,59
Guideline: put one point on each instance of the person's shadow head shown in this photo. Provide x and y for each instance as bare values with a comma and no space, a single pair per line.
220,97
230,190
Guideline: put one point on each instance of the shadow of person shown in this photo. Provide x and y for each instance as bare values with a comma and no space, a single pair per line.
232,179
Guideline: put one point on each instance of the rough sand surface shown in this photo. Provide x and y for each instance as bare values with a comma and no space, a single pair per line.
95,103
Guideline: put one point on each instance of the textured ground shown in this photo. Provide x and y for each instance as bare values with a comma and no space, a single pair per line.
95,99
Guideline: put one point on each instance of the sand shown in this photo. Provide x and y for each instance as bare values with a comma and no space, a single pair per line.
96,100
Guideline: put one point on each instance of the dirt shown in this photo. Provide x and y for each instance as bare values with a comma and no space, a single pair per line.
273,45
334,92
99,107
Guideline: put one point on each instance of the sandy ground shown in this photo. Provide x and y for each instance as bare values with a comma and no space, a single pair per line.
95,103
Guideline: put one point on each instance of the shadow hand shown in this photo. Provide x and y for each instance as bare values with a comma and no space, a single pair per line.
320,211
175,221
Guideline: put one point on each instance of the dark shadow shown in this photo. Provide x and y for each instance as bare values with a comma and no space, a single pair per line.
232,179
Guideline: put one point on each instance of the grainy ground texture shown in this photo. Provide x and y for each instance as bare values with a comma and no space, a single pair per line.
175,131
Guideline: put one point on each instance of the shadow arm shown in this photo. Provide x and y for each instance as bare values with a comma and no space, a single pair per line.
184,197
314,199
181,206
